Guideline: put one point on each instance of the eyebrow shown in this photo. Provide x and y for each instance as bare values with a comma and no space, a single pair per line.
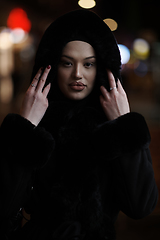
73,58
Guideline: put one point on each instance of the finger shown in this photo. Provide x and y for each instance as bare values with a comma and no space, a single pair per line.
111,80
104,92
101,98
36,79
46,90
43,78
119,87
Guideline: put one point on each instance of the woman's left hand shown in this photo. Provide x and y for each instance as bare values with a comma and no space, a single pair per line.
115,102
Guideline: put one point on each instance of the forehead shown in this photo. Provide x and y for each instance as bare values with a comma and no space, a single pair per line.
78,48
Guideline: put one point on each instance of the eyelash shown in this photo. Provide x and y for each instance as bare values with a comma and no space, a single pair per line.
91,64
66,64
87,65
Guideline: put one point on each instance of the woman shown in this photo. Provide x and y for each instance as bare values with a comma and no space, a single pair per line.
75,156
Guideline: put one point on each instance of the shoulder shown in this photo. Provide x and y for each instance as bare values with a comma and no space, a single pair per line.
125,134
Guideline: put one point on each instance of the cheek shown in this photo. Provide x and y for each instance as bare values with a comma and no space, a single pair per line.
91,79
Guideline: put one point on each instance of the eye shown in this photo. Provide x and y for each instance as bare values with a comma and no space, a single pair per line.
65,63
89,64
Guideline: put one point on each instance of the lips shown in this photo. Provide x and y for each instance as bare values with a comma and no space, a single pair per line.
78,86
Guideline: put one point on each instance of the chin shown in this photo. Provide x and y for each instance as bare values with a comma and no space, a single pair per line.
76,96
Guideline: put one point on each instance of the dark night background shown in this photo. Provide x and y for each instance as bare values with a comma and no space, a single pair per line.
141,77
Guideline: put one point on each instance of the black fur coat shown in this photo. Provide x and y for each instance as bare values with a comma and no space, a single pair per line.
74,173
76,170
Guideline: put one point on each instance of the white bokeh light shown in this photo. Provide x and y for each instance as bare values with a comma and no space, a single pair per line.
18,35
125,53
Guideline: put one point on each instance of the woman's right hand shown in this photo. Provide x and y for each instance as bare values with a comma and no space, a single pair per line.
35,101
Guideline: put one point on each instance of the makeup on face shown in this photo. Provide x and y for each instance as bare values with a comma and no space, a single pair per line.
77,70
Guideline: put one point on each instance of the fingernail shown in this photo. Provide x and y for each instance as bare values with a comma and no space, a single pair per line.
49,66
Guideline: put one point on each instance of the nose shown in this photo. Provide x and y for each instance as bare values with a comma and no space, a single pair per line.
77,73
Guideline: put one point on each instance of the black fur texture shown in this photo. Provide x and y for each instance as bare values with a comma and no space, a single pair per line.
73,191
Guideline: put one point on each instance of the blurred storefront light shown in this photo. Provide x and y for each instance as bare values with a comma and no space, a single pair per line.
18,35
125,53
6,52
6,89
14,39
19,25
87,3
112,24
141,48
5,39
6,66
18,19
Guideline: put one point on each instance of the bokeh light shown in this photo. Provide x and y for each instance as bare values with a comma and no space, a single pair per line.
87,3
18,19
125,53
5,39
141,48
112,24
18,35
6,89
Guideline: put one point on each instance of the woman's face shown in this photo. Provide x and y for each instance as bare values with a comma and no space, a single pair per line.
77,70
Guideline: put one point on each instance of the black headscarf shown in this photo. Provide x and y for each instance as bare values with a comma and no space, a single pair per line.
82,25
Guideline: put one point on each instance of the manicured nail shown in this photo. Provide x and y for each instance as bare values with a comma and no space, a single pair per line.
49,66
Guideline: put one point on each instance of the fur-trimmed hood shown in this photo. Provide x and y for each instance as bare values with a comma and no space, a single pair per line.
78,25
